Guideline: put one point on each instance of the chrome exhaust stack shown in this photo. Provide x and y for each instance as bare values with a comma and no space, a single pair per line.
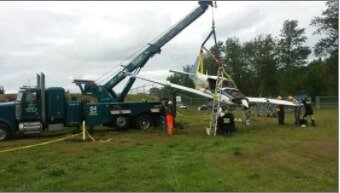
38,81
43,99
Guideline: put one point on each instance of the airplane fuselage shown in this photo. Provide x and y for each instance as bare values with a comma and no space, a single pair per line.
229,96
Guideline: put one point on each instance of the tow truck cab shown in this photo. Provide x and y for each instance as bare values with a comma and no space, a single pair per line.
37,109
34,114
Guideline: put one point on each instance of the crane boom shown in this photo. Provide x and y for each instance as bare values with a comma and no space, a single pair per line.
105,92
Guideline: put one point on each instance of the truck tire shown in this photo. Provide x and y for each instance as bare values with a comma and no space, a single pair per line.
121,122
144,121
4,132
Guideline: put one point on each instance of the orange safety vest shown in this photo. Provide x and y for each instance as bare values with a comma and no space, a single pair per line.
170,124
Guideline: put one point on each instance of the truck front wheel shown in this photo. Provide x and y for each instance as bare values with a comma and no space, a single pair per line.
4,132
121,122
144,122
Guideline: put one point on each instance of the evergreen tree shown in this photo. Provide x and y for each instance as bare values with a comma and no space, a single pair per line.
291,55
327,24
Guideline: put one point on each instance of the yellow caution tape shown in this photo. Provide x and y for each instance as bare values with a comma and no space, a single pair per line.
94,140
105,141
39,144
90,136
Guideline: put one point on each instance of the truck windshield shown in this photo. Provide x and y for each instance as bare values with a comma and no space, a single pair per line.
19,97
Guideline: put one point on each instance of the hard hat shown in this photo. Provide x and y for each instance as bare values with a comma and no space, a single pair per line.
279,97
290,98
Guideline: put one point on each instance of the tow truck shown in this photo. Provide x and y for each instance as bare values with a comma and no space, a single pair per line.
39,109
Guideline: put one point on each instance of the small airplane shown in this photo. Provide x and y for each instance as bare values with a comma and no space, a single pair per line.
205,86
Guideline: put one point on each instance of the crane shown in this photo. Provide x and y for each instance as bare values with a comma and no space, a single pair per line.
40,109
105,92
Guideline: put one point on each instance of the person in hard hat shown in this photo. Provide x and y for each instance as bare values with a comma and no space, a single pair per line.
297,109
308,111
280,112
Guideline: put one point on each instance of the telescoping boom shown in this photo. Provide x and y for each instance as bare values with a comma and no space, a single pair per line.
105,92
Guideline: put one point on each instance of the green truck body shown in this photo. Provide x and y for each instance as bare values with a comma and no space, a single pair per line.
26,114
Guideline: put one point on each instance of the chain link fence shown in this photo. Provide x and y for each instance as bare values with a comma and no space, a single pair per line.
326,101
194,102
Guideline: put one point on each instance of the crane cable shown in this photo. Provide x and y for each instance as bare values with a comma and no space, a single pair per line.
105,75
217,60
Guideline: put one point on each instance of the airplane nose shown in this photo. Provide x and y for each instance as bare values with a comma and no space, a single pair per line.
245,103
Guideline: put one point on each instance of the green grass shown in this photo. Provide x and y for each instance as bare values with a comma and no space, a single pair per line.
261,157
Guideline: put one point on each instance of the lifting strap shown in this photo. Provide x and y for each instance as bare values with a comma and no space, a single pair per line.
211,130
221,74
200,65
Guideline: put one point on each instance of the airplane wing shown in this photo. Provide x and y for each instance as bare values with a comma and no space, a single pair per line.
271,101
191,74
172,85
181,72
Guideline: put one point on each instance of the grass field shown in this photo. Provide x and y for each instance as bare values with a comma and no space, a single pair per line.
261,157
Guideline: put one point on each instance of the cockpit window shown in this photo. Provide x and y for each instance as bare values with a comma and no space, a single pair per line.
235,93
227,83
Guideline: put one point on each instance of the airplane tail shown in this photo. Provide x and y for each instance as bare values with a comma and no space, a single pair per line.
198,66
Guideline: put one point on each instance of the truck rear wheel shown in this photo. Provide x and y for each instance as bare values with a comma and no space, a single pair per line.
4,132
121,122
144,122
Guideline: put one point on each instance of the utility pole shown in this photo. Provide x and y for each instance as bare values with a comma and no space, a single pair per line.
2,90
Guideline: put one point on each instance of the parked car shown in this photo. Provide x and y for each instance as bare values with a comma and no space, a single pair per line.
181,106
206,107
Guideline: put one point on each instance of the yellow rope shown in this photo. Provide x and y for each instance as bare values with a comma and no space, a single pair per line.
39,144
90,136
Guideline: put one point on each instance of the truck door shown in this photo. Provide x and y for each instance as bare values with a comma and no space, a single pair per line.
31,106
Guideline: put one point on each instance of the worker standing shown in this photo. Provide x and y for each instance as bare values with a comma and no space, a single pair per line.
280,112
246,115
170,118
164,105
226,122
308,111
167,116
297,109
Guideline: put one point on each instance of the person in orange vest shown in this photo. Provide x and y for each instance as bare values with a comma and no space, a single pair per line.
280,112
168,116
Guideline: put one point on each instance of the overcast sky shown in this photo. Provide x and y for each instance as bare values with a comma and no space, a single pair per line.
83,40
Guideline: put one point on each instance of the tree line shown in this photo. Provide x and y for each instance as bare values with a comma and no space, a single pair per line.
271,66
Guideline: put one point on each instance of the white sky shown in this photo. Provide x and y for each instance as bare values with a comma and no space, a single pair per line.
82,40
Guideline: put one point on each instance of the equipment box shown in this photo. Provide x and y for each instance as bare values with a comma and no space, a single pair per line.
96,114
73,113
